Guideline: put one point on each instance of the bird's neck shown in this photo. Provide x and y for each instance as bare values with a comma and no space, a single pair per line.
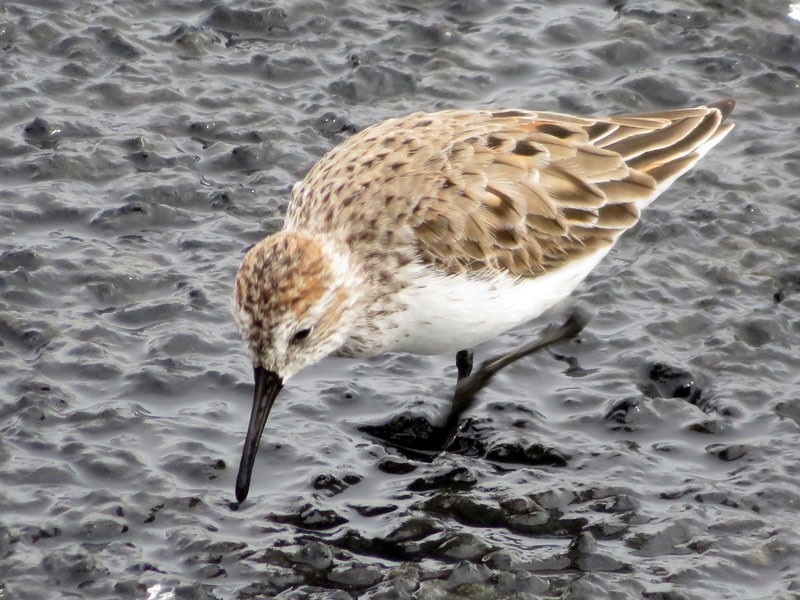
348,283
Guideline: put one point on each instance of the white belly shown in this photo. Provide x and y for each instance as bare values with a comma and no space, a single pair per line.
447,313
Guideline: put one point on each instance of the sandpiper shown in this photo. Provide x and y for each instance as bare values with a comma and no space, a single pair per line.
434,232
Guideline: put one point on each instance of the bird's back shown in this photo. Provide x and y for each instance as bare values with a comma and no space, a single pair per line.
522,203
504,191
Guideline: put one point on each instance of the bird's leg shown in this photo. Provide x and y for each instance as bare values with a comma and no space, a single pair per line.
471,383
464,363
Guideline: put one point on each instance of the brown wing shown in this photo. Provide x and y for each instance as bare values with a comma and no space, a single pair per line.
514,190
538,189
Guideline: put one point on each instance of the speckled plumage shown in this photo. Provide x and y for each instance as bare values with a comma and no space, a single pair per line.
434,232
496,199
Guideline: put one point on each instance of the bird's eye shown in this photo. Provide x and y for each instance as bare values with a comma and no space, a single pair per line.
301,335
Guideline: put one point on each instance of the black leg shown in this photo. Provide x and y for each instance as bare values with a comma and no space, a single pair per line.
469,385
464,363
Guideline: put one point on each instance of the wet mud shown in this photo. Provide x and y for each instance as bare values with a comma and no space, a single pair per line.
145,145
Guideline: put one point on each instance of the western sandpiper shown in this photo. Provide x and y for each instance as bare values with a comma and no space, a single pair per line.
434,232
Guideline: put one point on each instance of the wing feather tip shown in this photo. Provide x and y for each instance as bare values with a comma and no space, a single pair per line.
725,106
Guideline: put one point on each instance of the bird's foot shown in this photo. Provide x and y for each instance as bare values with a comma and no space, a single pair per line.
470,383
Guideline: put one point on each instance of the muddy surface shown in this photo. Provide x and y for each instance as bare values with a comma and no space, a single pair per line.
145,145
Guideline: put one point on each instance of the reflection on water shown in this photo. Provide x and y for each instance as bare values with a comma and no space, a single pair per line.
160,592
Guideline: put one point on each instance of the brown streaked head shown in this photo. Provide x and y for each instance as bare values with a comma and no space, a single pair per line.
295,302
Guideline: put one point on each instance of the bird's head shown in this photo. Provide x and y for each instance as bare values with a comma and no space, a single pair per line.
295,302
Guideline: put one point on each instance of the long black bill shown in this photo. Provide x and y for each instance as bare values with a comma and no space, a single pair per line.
268,384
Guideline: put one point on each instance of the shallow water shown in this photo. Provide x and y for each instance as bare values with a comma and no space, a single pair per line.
145,145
